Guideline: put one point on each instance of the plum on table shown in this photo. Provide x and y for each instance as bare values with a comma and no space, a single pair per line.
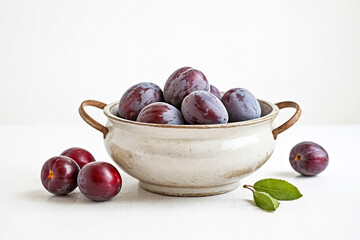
99,181
79,155
308,158
59,175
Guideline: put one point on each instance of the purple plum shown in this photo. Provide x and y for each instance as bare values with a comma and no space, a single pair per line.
181,83
308,158
201,107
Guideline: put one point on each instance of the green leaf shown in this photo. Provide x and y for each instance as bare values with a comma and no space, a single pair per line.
265,201
279,189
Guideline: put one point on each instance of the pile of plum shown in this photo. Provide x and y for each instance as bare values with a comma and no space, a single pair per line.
76,167
188,98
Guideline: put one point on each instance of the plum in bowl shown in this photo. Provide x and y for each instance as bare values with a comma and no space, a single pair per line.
190,160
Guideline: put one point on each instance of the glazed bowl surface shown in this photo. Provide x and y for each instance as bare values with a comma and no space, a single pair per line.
190,160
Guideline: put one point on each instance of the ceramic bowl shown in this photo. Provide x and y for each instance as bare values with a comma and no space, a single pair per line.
190,160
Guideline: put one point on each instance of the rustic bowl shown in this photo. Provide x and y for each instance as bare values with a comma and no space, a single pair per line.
190,160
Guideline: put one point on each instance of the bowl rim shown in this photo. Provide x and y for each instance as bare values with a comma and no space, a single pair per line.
270,116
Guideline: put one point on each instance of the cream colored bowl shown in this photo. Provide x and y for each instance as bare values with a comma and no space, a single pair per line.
190,160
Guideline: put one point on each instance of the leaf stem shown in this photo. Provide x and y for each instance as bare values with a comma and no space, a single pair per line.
249,187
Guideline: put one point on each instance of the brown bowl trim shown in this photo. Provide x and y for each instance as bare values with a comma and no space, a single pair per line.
271,115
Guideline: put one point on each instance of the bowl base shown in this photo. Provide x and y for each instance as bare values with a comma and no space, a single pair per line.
188,191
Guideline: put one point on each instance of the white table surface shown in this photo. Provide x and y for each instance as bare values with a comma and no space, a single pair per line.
329,209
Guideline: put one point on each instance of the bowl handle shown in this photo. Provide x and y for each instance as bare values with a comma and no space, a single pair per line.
289,122
89,120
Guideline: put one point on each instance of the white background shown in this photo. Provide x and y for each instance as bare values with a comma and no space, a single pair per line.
55,54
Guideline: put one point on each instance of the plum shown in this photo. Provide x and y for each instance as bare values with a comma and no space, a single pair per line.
79,155
181,83
99,181
59,174
161,113
241,105
214,90
201,107
308,158
137,97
